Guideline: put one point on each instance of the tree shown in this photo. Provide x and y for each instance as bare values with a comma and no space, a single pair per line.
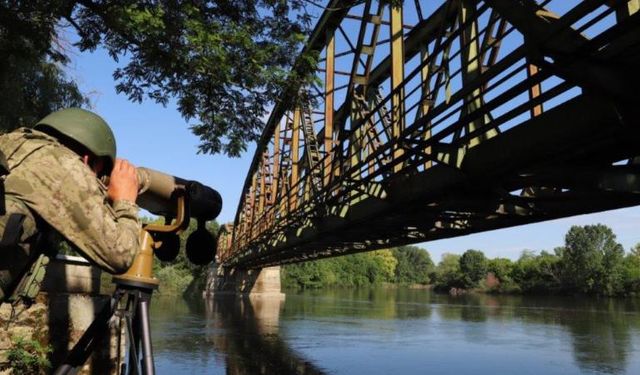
631,266
32,81
386,264
350,270
224,62
635,251
448,272
592,260
537,273
501,268
306,275
414,265
473,265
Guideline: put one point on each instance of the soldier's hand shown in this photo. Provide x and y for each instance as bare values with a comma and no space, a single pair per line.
123,183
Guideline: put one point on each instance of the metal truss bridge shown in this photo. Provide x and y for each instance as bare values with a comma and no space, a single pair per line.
440,118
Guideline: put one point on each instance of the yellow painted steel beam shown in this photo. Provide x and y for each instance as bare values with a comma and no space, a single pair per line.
633,6
295,158
425,106
535,90
276,164
252,204
329,79
472,68
263,183
397,76
335,12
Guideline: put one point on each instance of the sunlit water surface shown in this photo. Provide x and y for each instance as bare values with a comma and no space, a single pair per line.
396,331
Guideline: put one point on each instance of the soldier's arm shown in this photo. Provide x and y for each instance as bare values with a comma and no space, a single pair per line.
111,233
105,230
65,193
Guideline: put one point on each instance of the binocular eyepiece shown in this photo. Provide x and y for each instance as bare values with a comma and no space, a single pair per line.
159,194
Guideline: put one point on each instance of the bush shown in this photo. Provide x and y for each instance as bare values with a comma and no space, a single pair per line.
414,265
448,274
173,280
473,265
28,356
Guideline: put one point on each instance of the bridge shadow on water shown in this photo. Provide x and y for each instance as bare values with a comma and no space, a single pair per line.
252,344
240,334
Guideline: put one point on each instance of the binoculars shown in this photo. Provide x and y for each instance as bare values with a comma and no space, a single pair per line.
178,201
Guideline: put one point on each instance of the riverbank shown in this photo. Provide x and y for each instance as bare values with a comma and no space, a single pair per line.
591,262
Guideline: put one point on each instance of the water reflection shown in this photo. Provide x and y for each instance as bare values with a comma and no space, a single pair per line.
599,329
397,331
363,303
251,342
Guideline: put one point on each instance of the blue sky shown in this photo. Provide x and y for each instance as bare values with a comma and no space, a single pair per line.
158,137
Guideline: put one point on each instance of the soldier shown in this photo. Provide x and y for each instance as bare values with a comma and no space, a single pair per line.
53,186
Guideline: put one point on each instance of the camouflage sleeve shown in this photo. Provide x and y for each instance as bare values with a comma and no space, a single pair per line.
65,193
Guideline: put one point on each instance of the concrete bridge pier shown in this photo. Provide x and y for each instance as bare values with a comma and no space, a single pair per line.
263,282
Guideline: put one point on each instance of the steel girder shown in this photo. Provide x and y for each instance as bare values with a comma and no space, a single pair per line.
438,119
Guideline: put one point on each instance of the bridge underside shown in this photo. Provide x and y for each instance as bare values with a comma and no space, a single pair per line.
564,158
487,169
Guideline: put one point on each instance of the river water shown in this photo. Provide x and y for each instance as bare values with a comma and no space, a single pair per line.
396,331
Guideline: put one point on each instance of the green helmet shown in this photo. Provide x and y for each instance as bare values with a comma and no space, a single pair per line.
84,127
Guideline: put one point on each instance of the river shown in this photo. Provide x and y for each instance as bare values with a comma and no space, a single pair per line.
396,331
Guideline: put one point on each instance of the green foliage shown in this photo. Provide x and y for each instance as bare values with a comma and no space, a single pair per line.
631,272
351,270
537,273
308,275
501,268
385,265
32,81
592,261
448,273
414,265
224,62
473,265
28,356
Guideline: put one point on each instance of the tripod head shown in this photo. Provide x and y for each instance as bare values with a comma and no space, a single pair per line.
178,201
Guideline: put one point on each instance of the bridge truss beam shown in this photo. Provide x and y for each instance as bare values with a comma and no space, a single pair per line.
439,121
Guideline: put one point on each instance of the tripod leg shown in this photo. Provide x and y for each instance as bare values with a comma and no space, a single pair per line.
133,328
148,367
86,344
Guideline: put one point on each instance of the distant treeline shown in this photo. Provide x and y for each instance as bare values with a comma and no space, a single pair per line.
590,262
407,265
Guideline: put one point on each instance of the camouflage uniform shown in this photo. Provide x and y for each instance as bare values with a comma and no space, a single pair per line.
64,194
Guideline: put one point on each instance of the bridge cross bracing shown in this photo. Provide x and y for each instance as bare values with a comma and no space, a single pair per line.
435,119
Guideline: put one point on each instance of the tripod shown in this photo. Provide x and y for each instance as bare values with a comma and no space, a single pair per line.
129,304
